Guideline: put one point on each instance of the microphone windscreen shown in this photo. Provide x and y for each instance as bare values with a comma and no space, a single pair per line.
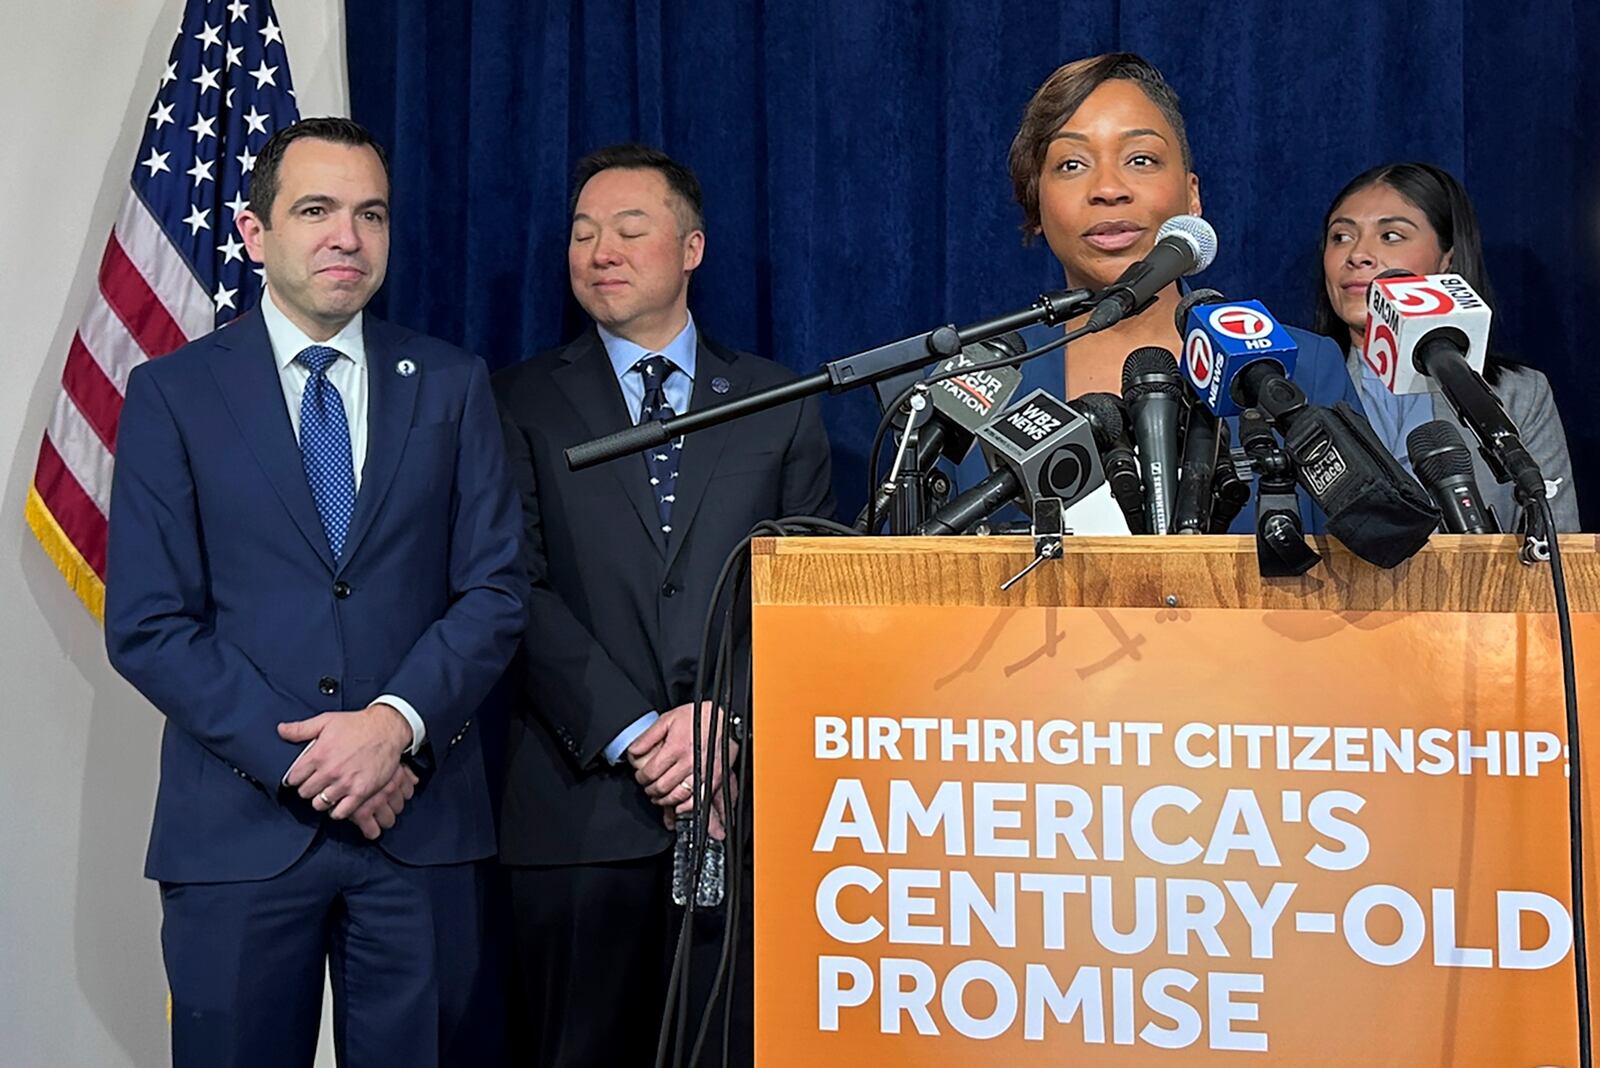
1196,297
1199,235
1437,452
1105,414
1151,369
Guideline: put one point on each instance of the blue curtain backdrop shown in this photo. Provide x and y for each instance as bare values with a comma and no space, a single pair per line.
853,157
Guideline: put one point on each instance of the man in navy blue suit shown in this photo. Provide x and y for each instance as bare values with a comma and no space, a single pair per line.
314,574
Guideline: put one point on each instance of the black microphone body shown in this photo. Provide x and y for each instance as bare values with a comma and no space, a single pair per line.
1444,467
1154,393
1108,416
1441,355
1192,512
1185,244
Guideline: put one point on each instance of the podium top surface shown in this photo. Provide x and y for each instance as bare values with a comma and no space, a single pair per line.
1454,573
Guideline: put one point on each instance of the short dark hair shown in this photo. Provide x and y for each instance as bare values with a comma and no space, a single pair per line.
1448,210
1060,97
690,206
264,176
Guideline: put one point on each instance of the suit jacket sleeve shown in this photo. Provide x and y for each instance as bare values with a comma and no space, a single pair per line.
158,632
572,684
1534,411
451,667
808,467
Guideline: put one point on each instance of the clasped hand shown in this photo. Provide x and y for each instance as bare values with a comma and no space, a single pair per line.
350,767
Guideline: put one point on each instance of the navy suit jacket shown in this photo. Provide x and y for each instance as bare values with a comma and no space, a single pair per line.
225,608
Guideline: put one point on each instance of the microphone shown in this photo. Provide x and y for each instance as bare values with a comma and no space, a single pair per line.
1201,443
1437,327
1185,244
1041,447
1106,411
1230,493
1444,467
958,406
1221,339
1154,395
1403,309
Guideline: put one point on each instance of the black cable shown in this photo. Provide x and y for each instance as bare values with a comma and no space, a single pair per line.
889,410
678,984
1569,680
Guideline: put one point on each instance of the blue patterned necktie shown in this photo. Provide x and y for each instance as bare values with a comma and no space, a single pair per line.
661,463
325,447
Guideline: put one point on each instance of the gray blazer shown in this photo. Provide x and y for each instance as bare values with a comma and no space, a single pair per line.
1525,394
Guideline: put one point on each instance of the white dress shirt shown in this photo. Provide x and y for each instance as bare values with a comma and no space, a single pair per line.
348,375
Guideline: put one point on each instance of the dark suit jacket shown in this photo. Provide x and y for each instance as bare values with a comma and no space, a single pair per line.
616,609
225,608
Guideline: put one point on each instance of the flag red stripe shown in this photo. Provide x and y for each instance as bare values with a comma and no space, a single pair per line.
136,304
75,513
95,395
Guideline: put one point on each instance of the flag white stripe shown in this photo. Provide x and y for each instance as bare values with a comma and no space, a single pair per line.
164,270
82,451
110,343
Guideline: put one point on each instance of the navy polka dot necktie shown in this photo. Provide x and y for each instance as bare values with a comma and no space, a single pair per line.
325,447
661,463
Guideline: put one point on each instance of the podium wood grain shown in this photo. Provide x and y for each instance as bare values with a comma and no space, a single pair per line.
1455,572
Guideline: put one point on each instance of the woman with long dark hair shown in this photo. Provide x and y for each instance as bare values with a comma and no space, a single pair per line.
1418,217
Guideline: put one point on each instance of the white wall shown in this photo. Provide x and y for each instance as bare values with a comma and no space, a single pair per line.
81,981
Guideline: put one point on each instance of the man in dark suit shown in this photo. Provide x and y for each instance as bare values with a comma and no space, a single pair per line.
311,512
622,559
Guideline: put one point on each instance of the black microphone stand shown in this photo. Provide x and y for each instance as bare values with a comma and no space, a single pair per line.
836,376
1281,547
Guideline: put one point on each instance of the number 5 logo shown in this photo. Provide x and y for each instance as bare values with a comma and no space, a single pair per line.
1380,353
1419,297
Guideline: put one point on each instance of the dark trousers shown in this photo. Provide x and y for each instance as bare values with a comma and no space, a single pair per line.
402,945
593,948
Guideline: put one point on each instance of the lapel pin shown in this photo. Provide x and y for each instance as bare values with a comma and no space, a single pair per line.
405,368
720,385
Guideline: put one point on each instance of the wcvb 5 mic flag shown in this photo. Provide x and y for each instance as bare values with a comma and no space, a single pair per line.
1401,312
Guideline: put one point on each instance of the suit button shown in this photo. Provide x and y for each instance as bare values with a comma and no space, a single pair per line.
328,685
341,590
668,589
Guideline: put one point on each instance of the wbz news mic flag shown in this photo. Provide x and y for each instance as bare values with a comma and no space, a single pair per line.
173,269
1401,311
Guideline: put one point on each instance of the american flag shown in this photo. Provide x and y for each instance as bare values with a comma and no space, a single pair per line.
174,267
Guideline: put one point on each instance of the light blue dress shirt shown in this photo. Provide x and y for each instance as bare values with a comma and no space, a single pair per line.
679,388
1393,416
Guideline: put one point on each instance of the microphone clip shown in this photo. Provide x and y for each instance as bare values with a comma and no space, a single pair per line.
1281,547
1048,529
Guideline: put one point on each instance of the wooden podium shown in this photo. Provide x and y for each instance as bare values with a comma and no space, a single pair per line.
1147,807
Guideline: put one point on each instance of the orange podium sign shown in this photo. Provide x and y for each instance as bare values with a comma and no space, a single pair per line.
1027,835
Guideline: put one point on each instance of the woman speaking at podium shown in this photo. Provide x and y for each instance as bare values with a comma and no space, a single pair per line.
1100,162
1418,217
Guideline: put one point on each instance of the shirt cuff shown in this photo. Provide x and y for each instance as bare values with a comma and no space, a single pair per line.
419,731
619,745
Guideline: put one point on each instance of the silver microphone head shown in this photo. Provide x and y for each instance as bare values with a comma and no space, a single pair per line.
1198,233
